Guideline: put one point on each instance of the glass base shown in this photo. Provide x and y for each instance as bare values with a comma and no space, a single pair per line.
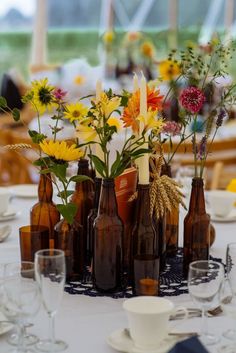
230,334
16,350
29,339
227,349
209,339
48,346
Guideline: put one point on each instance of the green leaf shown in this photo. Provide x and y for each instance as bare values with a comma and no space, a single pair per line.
140,152
42,162
67,211
65,194
80,178
115,165
3,102
16,114
36,136
98,164
59,170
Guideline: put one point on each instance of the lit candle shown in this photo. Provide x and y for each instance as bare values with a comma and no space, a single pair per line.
98,150
144,160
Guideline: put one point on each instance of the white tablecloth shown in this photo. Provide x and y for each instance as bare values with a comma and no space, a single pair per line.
85,322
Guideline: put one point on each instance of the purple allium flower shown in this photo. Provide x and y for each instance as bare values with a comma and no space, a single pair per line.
202,148
192,99
220,118
59,94
172,128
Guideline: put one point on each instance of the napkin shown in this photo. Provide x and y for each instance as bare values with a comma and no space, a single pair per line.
191,345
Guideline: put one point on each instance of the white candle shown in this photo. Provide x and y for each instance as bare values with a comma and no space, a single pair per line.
135,83
39,38
144,160
98,150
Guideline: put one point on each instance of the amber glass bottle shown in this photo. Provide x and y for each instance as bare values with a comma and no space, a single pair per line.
83,199
69,238
108,234
172,222
92,215
196,227
44,212
144,247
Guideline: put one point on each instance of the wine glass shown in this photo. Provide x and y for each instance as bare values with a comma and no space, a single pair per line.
205,279
50,275
20,299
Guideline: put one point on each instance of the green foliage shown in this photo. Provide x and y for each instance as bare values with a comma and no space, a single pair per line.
3,102
68,211
16,114
36,136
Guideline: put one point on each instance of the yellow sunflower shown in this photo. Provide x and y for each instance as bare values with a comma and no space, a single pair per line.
61,151
113,121
169,69
75,111
108,105
42,95
86,133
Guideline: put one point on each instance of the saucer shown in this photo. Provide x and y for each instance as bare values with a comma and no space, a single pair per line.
11,213
24,190
231,217
121,342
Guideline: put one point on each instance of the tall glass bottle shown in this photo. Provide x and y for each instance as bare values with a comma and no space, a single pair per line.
83,199
144,247
44,212
92,215
172,222
69,238
196,227
108,234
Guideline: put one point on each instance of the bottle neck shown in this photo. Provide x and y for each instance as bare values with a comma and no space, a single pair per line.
97,192
45,190
197,200
83,169
108,202
143,204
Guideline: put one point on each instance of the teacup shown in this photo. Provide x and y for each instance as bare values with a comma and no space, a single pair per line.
221,202
148,319
4,199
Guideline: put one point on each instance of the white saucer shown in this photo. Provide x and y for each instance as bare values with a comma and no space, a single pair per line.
121,342
4,326
11,213
231,217
24,190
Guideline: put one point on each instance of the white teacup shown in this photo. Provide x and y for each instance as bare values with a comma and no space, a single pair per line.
148,319
4,199
221,202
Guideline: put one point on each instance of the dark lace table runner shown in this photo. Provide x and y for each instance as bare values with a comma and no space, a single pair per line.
172,282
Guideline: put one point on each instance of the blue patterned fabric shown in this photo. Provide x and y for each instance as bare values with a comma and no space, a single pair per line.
172,282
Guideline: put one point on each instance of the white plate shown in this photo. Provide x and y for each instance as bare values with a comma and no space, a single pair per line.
121,342
24,190
229,218
4,327
11,213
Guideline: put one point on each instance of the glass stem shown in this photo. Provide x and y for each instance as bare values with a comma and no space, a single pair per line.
20,344
52,328
204,328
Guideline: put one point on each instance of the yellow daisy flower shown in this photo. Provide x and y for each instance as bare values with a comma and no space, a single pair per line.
60,150
108,105
86,133
169,69
42,97
151,122
147,49
113,121
79,80
75,111
108,37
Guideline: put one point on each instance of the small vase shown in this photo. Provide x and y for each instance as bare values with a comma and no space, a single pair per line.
83,199
69,238
44,212
108,237
172,221
196,227
144,247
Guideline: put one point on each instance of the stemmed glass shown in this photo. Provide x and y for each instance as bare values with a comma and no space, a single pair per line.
50,275
205,279
20,298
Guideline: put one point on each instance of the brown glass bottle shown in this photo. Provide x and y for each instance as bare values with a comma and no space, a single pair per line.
92,215
44,212
196,227
144,245
69,238
83,199
108,236
172,221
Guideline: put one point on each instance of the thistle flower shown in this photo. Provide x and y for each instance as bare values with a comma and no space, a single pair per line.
172,128
192,99
220,118
202,148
